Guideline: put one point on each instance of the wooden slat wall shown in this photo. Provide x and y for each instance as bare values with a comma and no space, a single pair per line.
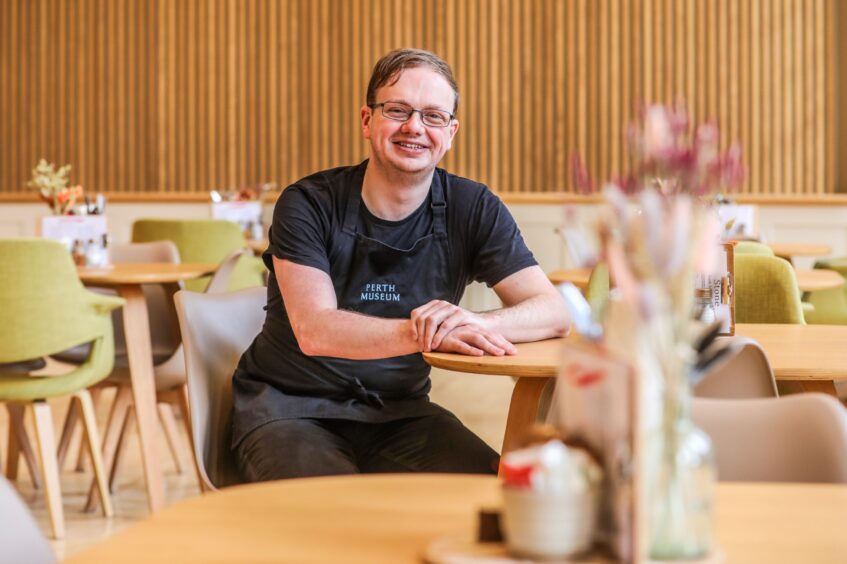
169,98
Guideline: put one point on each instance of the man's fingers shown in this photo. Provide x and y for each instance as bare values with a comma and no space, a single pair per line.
418,313
455,319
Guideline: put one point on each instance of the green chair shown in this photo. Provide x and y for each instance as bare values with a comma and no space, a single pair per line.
597,292
766,291
830,305
204,241
44,309
752,248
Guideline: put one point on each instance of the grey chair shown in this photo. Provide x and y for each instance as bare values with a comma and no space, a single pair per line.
798,438
216,330
742,372
168,359
20,538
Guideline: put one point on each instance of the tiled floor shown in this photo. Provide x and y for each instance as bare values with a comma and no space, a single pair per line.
481,402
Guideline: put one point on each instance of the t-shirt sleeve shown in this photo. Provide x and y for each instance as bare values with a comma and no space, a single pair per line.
498,248
299,229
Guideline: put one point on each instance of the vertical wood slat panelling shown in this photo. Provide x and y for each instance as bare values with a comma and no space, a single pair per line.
176,98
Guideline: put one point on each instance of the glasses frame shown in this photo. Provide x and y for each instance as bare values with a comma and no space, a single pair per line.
381,106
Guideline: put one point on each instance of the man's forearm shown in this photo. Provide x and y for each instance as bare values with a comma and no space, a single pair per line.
346,334
540,317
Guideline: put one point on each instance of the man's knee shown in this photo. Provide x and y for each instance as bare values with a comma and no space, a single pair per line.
292,448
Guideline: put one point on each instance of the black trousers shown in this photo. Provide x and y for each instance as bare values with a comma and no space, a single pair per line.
296,448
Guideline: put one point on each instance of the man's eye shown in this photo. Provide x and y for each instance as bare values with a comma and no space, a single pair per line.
396,112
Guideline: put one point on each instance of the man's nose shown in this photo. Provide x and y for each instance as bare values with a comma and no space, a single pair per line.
415,123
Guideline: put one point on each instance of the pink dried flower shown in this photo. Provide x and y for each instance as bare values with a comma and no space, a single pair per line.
581,178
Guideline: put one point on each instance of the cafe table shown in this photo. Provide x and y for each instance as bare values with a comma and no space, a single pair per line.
818,279
790,250
400,518
579,277
804,358
127,280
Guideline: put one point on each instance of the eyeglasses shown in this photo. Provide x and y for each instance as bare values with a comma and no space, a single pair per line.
403,112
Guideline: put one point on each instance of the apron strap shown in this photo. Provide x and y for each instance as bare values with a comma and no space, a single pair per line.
438,205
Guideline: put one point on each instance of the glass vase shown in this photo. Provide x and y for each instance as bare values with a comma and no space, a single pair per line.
681,496
681,483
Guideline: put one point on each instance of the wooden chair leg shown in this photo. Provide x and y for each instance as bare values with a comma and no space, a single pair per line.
21,444
69,433
14,451
111,437
80,461
166,417
119,449
89,422
185,408
43,422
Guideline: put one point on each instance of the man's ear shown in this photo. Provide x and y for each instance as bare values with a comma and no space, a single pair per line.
454,127
366,114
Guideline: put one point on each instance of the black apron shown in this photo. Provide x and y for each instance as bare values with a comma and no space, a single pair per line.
371,278
383,281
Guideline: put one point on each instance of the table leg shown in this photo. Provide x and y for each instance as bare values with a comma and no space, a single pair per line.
523,411
137,330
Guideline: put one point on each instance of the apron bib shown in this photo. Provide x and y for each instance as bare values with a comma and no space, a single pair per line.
378,280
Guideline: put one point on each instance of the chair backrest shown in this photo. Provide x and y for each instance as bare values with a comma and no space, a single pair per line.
766,291
20,538
830,306
164,333
203,241
216,330
742,372
798,438
752,248
44,309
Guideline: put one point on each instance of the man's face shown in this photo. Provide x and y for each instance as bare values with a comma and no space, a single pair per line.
410,146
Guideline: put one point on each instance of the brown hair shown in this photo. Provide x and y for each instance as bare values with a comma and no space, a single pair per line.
387,70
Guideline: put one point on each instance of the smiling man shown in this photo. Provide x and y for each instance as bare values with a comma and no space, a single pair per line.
368,263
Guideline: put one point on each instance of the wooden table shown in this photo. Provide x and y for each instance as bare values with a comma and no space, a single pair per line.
577,276
393,518
818,279
126,280
807,358
804,358
789,250
533,366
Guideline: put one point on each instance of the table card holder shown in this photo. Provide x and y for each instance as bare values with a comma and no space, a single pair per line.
247,214
85,236
714,292
736,221
596,406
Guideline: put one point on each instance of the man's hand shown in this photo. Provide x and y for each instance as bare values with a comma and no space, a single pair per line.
432,322
474,340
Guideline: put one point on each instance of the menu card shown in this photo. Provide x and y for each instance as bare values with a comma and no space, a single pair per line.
596,407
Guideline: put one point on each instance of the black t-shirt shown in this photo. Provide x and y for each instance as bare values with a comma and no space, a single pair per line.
274,380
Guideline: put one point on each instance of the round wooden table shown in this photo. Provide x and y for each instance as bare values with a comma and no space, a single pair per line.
579,277
807,358
126,280
394,518
533,366
818,279
789,250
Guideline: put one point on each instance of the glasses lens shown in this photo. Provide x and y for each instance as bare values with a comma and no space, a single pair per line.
435,118
402,112
393,110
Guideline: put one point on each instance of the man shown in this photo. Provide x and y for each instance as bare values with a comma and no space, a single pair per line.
368,263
